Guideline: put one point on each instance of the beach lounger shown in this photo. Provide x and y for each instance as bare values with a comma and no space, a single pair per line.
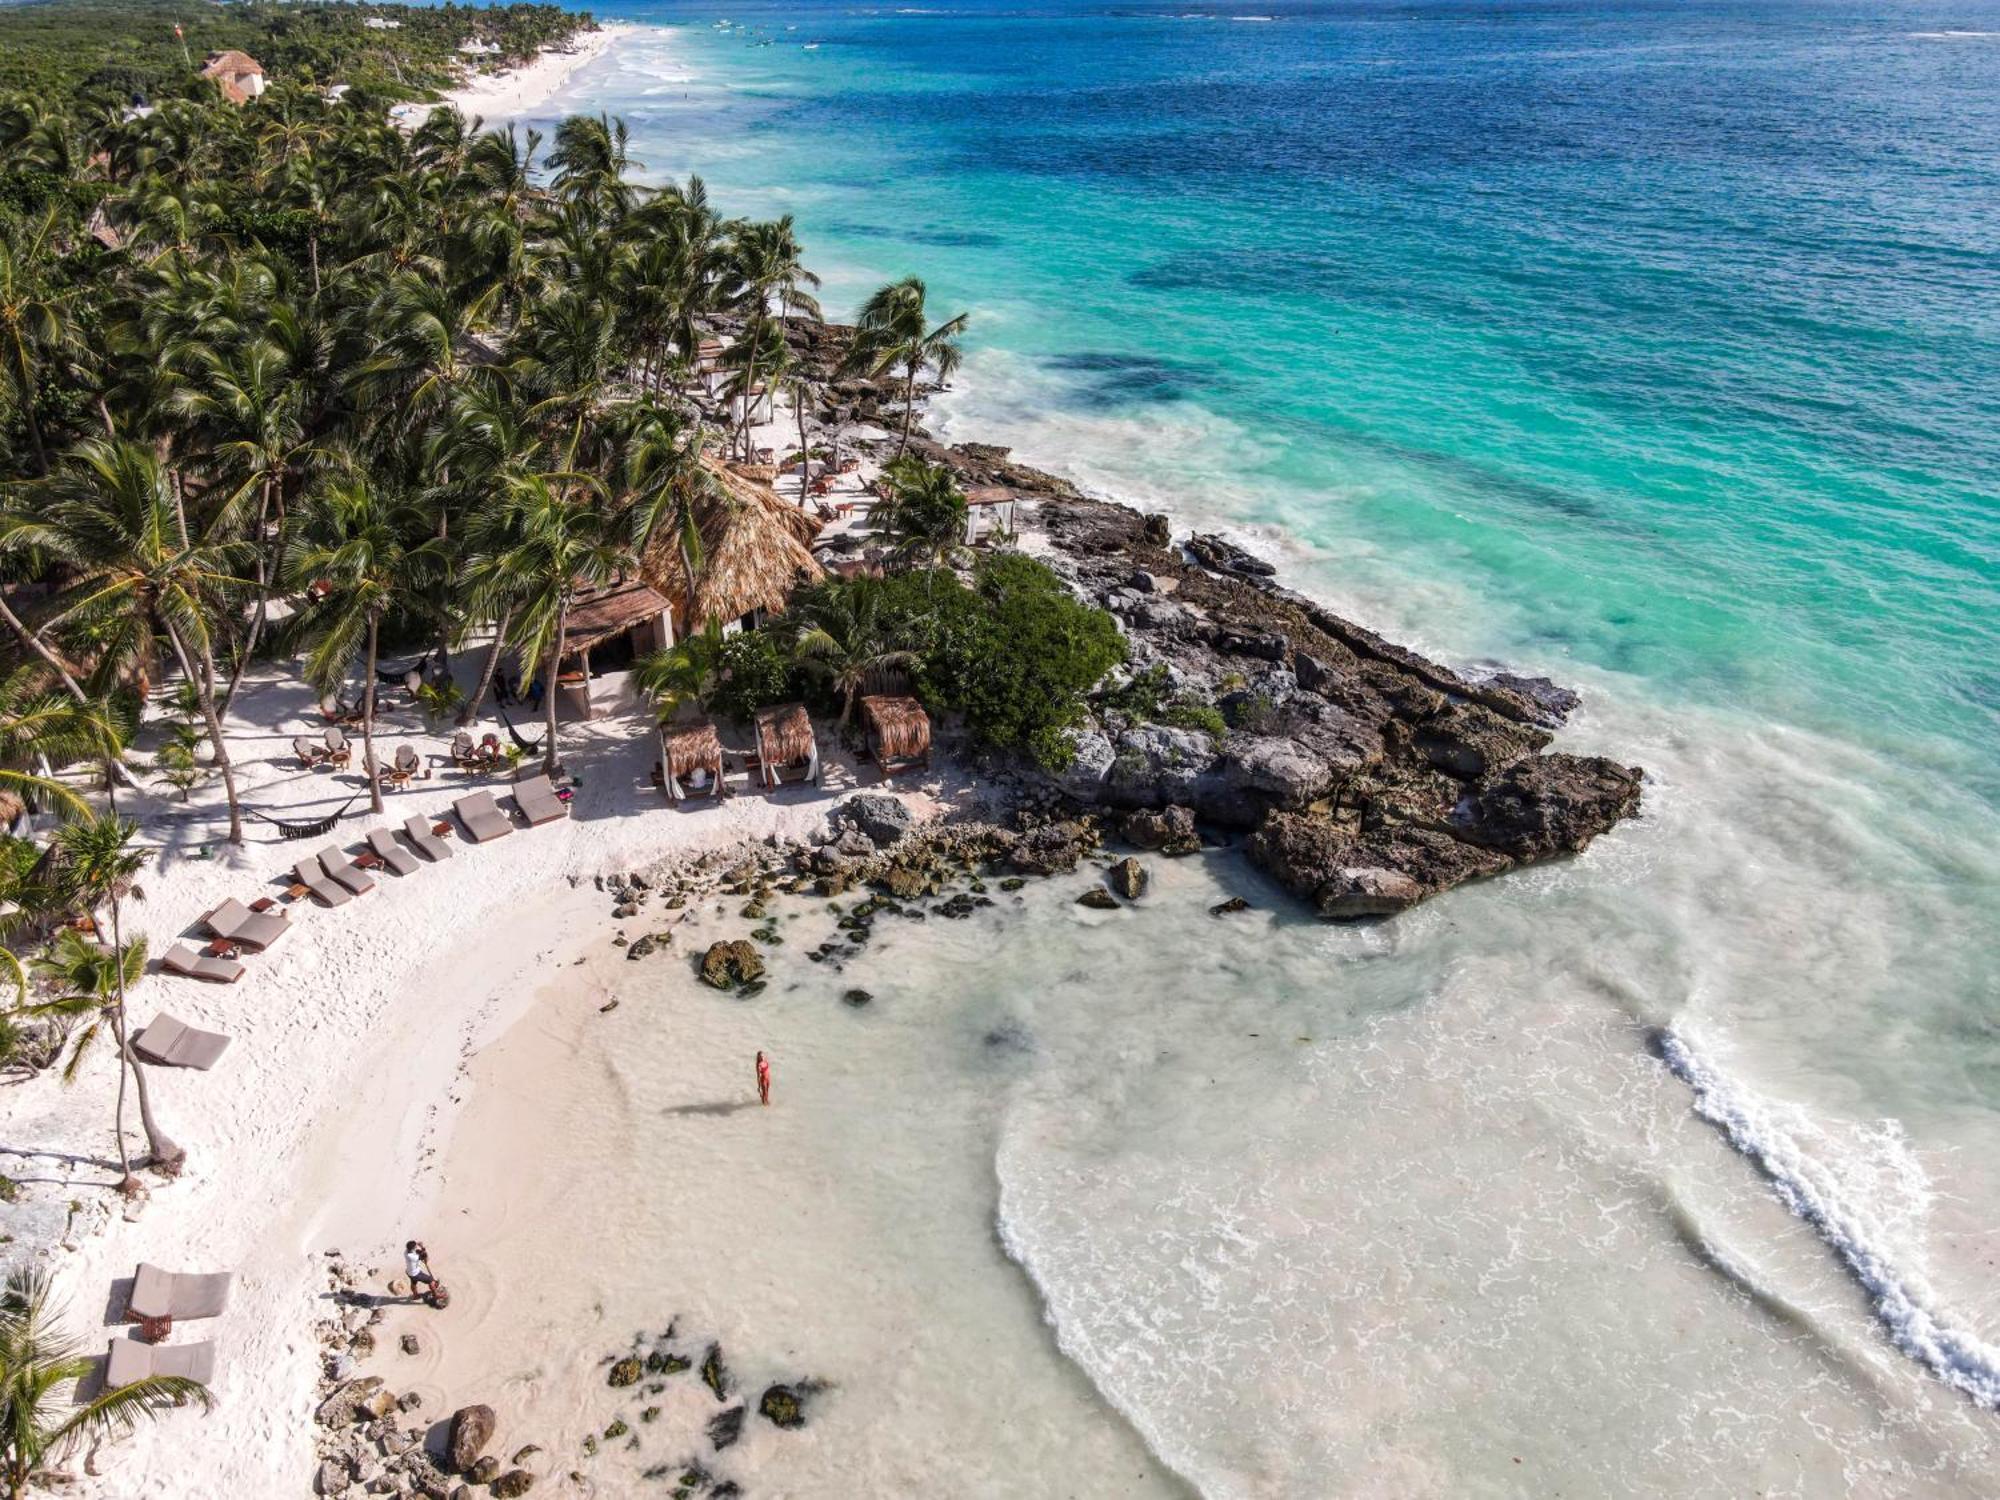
426,843
408,765
236,923
482,817
539,804
174,1044
181,1296
308,874
183,960
391,853
131,1360
462,753
338,751
339,867
309,754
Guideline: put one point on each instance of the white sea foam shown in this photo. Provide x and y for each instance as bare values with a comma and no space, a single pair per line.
1781,1141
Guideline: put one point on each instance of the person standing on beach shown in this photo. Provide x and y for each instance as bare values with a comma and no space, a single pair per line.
417,1262
763,1079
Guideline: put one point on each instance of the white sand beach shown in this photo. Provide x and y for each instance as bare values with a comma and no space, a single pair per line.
322,1125
511,92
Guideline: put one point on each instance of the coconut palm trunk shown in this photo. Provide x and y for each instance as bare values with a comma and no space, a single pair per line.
41,648
549,681
24,384
805,453
264,574
368,718
470,707
204,688
909,403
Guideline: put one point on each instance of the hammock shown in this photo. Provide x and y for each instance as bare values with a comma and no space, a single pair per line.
396,676
312,830
528,747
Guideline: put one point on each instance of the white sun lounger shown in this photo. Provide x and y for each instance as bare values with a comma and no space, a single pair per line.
172,1043
339,867
131,1360
391,853
313,878
539,804
236,922
426,843
183,960
482,817
180,1295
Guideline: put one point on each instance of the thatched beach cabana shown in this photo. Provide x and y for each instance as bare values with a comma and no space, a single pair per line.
690,760
899,732
756,550
787,749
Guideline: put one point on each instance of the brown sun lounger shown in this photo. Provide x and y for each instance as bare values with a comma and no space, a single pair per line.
462,753
339,867
183,960
313,878
426,843
337,749
131,1361
482,817
173,1043
308,753
539,804
392,854
408,765
237,923
180,1295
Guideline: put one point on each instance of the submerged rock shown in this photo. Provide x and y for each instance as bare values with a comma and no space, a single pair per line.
1169,829
727,964
1225,908
1129,878
714,1373
725,1427
857,998
782,1406
1097,898
625,1372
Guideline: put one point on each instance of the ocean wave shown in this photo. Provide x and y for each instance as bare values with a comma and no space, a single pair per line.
1903,1299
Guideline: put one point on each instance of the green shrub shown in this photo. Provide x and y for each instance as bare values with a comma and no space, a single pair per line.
1186,713
754,672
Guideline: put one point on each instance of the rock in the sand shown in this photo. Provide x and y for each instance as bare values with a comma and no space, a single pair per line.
524,1453
331,1479
857,998
906,884
471,1430
640,949
408,1343
1097,898
625,1372
1128,878
714,1373
1169,829
725,1427
375,1406
513,1482
485,1471
881,818
783,1406
337,1410
728,964
1225,908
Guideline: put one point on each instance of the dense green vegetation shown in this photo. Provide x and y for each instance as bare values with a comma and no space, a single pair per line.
102,52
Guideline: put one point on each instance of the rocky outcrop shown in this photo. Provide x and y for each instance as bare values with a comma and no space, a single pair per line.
732,964
878,817
1371,777
1129,878
1169,830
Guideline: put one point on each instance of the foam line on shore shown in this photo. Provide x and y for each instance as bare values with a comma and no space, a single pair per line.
1903,1300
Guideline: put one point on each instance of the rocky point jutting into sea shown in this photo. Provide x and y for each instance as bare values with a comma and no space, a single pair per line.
1367,777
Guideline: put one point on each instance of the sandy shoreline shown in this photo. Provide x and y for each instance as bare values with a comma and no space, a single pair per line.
499,97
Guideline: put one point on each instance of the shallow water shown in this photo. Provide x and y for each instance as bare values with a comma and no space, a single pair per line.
1652,348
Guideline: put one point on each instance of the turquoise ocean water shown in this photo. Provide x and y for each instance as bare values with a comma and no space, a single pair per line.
1655,347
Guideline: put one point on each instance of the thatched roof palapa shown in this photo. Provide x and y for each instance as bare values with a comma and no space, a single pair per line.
600,614
784,734
692,746
899,727
755,552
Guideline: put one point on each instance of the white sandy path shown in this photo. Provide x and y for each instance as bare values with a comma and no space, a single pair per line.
318,1126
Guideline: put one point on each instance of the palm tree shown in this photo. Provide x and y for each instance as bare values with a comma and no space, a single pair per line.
89,978
550,535
142,572
97,861
844,638
891,333
35,323
925,514
372,550
588,163
40,1365
684,674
